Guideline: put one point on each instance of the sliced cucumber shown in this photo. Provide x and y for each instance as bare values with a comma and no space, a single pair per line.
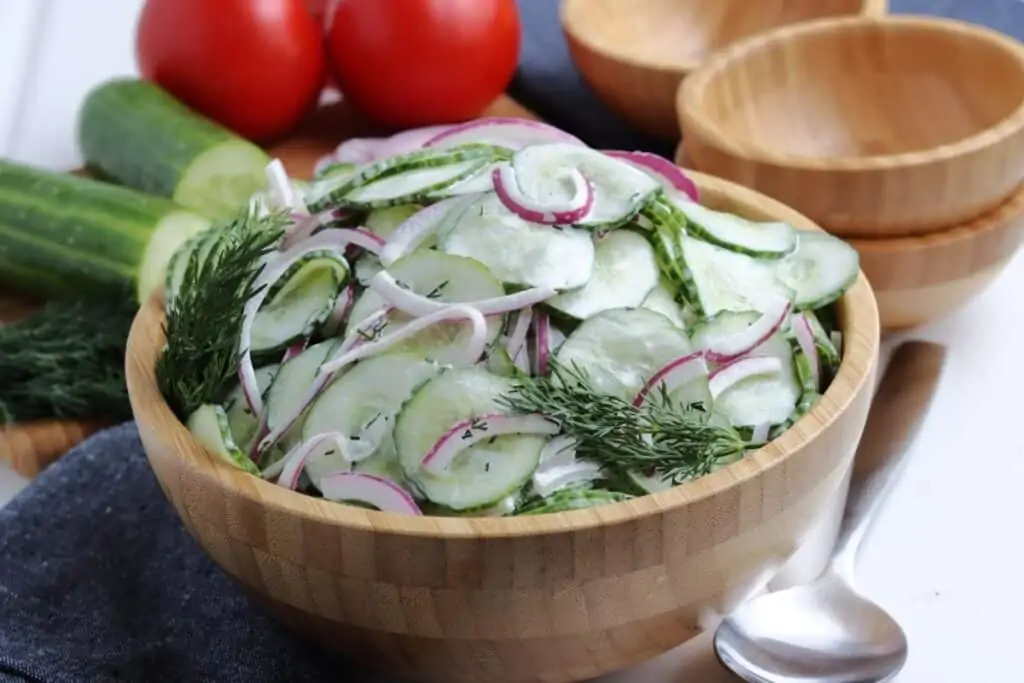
476,183
723,324
519,252
717,279
620,190
625,272
209,425
484,473
499,362
821,269
573,499
763,399
729,231
828,354
362,404
303,300
443,277
654,483
336,170
622,348
383,222
199,244
290,385
662,299
240,418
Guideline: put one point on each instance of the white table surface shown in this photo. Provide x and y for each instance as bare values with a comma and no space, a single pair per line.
947,555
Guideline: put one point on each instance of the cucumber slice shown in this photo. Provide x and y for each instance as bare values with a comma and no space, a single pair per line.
303,300
828,354
723,324
499,362
199,244
209,425
362,404
620,190
625,272
622,348
336,170
821,269
655,483
447,278
240,418
717,279
729,231
662,299
484,473
573,499
383,222
290,385
518,252
762,399
476,183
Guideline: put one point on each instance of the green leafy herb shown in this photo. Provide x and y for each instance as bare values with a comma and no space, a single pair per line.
205,321
659,437
66,361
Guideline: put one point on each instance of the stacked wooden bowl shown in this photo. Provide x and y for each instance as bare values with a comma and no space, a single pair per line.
904,135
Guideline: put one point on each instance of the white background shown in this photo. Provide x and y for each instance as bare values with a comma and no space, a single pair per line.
946,559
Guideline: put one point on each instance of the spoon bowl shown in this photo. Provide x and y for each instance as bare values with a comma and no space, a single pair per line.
824,632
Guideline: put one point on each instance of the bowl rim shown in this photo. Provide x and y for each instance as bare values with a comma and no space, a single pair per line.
861,339
690,95
869,8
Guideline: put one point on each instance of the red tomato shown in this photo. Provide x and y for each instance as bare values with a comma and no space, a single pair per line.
256,66
419,62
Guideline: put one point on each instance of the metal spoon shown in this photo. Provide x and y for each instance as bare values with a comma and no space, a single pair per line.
826,632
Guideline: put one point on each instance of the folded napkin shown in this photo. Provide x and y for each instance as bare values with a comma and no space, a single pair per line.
98,580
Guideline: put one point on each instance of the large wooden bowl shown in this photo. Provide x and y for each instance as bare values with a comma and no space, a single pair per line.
921,279
872,127
551,598
634,54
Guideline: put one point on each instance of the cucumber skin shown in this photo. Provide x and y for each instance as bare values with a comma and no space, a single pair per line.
138,134
67,235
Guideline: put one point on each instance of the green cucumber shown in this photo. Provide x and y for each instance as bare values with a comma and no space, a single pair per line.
625,272
242,422
729,231
289,387
761,399
210,426
663,299
821,269
138,134
573,499
828,353
63,235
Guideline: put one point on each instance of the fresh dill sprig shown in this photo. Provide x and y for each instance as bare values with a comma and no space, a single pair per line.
66,360
204,322
660,437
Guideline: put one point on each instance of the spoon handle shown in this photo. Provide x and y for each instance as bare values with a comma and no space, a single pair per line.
896,415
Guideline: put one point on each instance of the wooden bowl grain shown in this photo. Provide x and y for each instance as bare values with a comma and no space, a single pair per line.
553,598
872,127
635,54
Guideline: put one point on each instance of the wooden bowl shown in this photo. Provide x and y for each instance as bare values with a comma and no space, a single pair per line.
920,279
552,598
634,54
873,127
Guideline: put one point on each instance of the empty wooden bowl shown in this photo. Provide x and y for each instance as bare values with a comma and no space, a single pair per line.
921,279
871,127
552,598
634,54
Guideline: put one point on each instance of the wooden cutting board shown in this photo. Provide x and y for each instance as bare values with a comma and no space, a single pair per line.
30,447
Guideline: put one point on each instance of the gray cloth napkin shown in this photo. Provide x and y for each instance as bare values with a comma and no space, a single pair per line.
98,580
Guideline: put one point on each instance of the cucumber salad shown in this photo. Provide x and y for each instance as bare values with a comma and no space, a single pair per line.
495,319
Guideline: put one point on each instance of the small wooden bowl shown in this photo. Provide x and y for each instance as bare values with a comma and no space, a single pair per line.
634,54
873,127
553,598
921,279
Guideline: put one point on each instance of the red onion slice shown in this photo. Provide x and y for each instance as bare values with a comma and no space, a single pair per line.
805,338
724,348
342,307
510,133
370,489
468,432
417,305
406,141
660,169
535,210
289,468
294,350
281,189
357,151
727,376
542,339
674,374
411,233
516,344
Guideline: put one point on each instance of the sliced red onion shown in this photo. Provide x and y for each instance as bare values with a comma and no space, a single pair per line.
357,151
537,211
805,338
542,339
362,332
406,141
727,376
724,348
674,374
516,344
418,227
465,433
294,350
342,307
510,133
760,434
660,169
418,305
370,489
281,189
294,462
548,480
